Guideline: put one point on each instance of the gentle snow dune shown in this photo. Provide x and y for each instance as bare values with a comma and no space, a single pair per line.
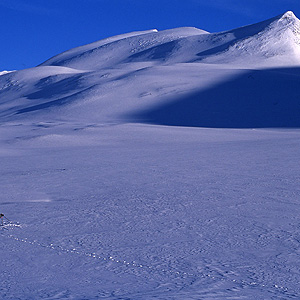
20,89
155,165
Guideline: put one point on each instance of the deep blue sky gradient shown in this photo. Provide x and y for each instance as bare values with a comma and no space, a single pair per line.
34,30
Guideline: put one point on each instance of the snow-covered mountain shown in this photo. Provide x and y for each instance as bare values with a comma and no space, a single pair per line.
154,165
272,42
132,77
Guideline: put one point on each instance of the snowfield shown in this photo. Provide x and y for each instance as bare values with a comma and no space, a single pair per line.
155,165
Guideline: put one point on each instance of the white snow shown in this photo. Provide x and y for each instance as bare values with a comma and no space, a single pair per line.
4,72
155,165
112,51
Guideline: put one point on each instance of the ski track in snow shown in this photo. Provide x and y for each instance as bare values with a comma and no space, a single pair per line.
213,275
160,233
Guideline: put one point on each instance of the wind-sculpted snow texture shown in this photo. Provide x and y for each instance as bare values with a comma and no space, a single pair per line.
155,165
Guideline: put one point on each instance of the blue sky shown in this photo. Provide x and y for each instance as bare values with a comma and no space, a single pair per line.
34,30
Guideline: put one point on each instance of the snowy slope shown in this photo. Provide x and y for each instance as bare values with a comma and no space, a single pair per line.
272,42
90,79
154,165
109,52
278,43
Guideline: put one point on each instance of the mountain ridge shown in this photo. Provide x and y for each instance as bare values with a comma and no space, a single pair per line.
124,78
189,44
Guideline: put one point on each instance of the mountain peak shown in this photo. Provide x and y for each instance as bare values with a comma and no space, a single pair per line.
289,15
288,19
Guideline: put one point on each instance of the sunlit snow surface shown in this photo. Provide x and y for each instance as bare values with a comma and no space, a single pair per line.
137,168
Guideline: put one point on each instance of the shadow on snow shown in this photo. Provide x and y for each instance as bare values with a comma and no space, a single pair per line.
256,99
